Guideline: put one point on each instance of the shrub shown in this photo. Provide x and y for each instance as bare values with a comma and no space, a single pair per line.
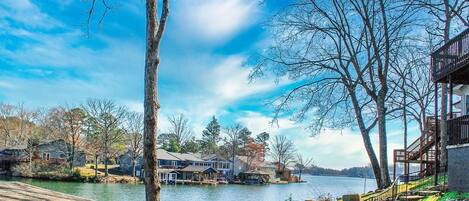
22,170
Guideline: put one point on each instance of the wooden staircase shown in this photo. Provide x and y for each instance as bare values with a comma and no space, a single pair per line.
421,151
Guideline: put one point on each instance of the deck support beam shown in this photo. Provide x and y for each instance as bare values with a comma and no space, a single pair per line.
436,136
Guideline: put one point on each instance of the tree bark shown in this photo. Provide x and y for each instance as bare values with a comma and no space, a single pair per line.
383,144
444,91
72,157
154,33
96,166
299,177
366,140
133,168
106,158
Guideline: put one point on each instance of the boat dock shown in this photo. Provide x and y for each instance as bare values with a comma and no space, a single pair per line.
13,191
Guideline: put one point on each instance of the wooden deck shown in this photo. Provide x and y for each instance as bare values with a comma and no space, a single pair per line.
13,191
452,60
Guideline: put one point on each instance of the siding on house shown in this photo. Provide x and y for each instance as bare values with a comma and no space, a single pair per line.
177,161
54,151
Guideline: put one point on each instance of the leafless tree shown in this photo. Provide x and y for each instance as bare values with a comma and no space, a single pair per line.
155,30
26,131
104,118
7,123
133,129
282,151
233,141
155,27
69,123
180,128
414,91
340,54
302,163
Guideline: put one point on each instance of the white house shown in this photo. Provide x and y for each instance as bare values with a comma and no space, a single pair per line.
462,106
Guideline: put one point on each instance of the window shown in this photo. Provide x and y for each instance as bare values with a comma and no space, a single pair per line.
45,156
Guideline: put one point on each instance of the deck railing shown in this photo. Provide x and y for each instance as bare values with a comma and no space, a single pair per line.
458,130
451,56
398,187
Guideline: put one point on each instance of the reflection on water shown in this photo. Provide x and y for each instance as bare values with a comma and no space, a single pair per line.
316,186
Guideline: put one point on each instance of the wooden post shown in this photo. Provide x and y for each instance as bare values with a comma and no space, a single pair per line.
394,166
449,125
451,98
436,136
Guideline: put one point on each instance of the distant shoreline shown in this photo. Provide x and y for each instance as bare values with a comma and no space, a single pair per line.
358,172
340,176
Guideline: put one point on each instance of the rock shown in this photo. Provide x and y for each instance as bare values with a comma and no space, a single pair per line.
352,197
427,193
411,197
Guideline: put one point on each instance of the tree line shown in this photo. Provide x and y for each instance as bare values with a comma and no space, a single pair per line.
106,130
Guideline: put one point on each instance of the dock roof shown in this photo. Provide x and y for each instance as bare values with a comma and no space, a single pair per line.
196,168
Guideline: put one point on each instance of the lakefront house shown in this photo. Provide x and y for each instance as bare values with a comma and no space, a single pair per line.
450,66
181,166
53,152
199,167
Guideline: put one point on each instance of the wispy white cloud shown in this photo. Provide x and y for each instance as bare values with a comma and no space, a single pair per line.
26,13
215,20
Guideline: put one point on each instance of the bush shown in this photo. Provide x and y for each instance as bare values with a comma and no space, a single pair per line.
76,173
41,169
22,170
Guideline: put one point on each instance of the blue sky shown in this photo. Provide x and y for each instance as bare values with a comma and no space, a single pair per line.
46,59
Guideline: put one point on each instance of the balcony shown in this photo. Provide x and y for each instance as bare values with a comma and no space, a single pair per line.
458,130
452,60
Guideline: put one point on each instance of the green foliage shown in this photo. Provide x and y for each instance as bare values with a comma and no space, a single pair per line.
191,145
454,196
244,135
349,172
263,138
210,136
173,146
168,142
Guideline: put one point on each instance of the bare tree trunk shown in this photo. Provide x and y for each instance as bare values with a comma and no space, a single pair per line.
383,145
154,33
96,166
72,156
106,159
133,168
444,91
299,177
366,140
404,122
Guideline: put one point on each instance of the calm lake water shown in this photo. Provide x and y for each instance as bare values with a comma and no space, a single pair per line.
315,186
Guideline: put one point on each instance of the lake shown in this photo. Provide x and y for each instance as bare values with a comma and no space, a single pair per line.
315,186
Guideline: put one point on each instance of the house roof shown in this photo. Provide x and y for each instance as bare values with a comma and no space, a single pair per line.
210,157
163,170
186,157
19,147
165,155
268,165
197,168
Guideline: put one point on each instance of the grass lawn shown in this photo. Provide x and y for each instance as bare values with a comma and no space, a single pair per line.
454,196
101,166
87,172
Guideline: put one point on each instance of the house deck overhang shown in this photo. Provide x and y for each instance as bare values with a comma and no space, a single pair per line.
450,63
